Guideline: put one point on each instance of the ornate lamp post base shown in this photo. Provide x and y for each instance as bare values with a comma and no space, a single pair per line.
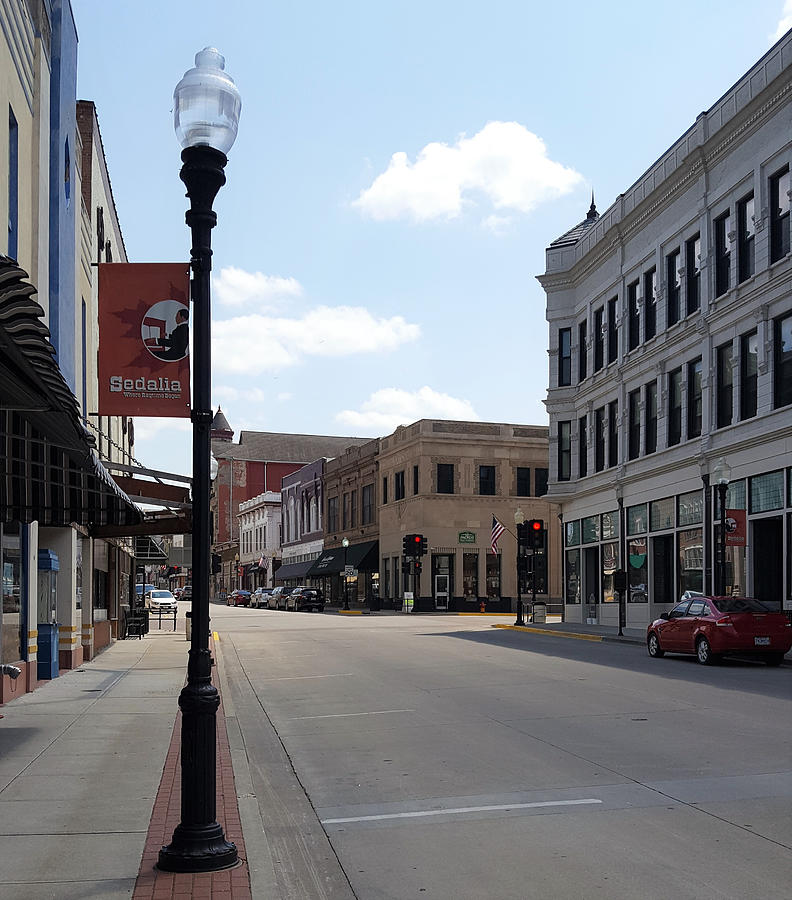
197,848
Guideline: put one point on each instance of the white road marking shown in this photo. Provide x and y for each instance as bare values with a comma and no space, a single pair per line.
375,712
294,677
456,810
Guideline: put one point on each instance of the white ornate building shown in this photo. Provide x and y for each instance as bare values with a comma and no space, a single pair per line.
670,334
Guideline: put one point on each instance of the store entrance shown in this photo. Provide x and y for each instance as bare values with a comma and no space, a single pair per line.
663,569
768,572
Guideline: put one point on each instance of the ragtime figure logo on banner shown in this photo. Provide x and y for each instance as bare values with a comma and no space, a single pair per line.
144,338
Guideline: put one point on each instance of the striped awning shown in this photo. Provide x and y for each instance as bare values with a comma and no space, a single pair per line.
51,472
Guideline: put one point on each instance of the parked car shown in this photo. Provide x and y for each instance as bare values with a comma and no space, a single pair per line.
711,627
161,600
142,589
258,598
277,599
304,598
239,597
186,592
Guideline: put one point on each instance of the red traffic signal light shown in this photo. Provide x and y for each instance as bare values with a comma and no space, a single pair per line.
536,524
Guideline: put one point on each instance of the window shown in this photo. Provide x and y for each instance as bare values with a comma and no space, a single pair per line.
694,398
599,339
634,413
345,512
415,480
582,352
564,356
398,486
650,303
674,282
540,482
13,185
674,407
779,214
782,361
523,482
487,480
722,254
693,274
613,433
650,412
384,490
746,231
353,499
564,451
599,439
613,332
634,315
332,514
445,478
582,447
725,398
367,510
749,348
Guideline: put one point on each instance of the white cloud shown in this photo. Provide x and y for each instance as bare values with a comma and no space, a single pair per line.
236,287
784,24
148,428
284,396
226,393
388,408
256,343
504,162
496,224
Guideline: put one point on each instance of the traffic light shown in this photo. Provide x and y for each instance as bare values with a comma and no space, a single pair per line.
422,545
536,534
406,566
417,538
418,566
408,545
522,535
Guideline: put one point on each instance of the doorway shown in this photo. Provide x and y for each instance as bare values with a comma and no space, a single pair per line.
591,585
663,569
768,575
441,591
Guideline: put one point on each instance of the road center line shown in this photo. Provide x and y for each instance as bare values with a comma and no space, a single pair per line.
375,712
295,677
458,809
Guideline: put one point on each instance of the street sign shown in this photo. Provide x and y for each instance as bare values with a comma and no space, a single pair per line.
349,570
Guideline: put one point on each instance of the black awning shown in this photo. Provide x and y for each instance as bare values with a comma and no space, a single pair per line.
52,473
293,570
363,557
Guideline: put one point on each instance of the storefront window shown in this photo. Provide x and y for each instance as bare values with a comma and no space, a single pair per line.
470,576
610,525
591,530
573,576
386,577
690,550
610,562
493,576
396,592
11,618
572,531
637,519
661,514
690,508
735,497
767,492
637,571
735,571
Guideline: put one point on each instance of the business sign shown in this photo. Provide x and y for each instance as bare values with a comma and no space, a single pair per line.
467,537
735,527
144,334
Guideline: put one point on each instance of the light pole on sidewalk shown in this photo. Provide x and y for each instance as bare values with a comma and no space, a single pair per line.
721,472
206,116
345,545
519,522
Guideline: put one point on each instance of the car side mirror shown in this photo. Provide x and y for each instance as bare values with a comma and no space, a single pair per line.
665,616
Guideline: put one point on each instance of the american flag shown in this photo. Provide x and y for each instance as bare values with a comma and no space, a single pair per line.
262,563
497,531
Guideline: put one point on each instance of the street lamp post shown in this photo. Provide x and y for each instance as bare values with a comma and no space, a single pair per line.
721,472
519,521
345,544
206,116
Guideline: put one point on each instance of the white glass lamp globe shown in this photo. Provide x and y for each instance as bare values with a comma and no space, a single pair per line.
206,104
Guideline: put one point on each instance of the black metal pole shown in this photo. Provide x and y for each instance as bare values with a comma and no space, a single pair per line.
722,540
346,582
520,620
533,585
198,843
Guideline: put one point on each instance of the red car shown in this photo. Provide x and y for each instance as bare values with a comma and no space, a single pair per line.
238,598
713,626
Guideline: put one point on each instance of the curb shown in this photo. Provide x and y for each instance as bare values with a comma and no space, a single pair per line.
567,634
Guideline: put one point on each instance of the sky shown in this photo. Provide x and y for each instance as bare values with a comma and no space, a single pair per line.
399,170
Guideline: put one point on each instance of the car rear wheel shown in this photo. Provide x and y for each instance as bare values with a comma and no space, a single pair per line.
653,646
704,652
774,659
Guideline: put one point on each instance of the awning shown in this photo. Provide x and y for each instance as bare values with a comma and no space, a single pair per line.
51,471
363,557
293,570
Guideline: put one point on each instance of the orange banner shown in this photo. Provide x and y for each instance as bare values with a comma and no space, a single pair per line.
144,339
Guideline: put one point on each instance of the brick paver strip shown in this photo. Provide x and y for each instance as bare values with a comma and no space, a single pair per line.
228,884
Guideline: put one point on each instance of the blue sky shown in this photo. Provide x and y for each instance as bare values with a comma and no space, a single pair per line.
399,171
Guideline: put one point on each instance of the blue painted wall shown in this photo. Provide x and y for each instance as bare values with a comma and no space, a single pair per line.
64,199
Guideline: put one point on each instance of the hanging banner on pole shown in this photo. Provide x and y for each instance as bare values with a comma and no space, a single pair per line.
144,333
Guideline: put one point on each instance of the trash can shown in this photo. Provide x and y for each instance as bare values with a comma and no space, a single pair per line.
188,624
540,613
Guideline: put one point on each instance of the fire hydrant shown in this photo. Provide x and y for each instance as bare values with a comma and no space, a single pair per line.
482,606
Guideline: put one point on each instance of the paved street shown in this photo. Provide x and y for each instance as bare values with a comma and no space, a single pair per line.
437,756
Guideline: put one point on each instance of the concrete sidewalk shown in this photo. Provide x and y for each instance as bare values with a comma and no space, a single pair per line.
89,784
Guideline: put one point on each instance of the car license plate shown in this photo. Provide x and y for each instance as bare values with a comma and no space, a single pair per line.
761,641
